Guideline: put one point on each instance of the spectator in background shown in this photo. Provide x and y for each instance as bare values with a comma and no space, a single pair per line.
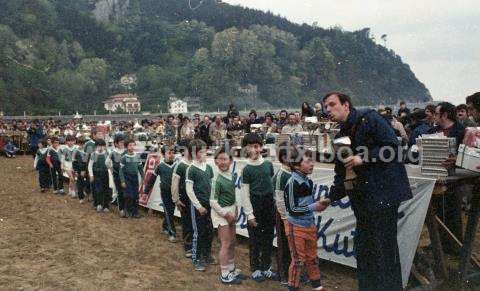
35,136
293,126
319,111
232,111
430,112
307,111
282,119
473,104
252,119
462,116
403,111
397,126
419,126
10,149
218,130
204,130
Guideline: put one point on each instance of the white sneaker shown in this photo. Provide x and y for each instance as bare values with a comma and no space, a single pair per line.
99,208
106,210
172,239
81,201
257,276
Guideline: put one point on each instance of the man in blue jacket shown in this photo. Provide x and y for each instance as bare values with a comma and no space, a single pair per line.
381,184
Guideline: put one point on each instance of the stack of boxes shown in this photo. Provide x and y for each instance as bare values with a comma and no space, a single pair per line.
434,150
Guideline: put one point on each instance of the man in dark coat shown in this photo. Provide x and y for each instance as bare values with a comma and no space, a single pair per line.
381,184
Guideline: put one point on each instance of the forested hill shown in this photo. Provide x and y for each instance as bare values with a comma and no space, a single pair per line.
68,55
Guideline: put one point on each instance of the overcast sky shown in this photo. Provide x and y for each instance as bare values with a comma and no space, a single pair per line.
439,39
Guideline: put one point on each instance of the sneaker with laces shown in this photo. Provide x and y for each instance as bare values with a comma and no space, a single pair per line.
61,192
172,239
270,275
258,276
199,266
99,208
230,279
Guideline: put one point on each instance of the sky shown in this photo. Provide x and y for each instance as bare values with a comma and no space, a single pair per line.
439,39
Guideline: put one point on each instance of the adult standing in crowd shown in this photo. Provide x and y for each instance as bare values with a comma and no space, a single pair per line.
462,116
381,184
448,206
307,111
293,126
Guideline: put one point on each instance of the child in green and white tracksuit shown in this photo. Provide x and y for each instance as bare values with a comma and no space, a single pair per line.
225,206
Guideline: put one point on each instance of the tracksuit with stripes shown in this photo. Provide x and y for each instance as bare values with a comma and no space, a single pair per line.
198,186
179,193
301,230
164,171
283,252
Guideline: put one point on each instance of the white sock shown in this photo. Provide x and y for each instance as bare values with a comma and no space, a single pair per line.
231,265
225,271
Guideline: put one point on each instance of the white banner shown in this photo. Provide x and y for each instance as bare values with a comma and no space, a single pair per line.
336,225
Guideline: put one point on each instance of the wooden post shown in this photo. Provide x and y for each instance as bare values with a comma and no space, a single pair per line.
472,224
436,243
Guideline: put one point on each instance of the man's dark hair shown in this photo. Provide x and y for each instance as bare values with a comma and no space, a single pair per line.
297,154
402,102
475,100
252,138
462,107
430,107
195,146
344,98
449,109
225,149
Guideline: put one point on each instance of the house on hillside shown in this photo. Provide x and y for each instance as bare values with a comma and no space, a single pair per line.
123,102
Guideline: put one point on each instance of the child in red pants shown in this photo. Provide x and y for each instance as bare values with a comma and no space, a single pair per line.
300,227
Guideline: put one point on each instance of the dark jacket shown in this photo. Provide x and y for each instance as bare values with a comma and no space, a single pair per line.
421,128
379,185
457,131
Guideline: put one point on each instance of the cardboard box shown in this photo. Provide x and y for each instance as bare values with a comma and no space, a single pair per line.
468,158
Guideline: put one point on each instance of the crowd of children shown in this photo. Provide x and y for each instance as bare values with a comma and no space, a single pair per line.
206,197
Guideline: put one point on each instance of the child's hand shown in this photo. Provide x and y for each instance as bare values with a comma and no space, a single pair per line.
124,185
252,223
180,204
230,218
203,211
322,204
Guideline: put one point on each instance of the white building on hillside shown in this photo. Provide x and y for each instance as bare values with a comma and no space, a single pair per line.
123,102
